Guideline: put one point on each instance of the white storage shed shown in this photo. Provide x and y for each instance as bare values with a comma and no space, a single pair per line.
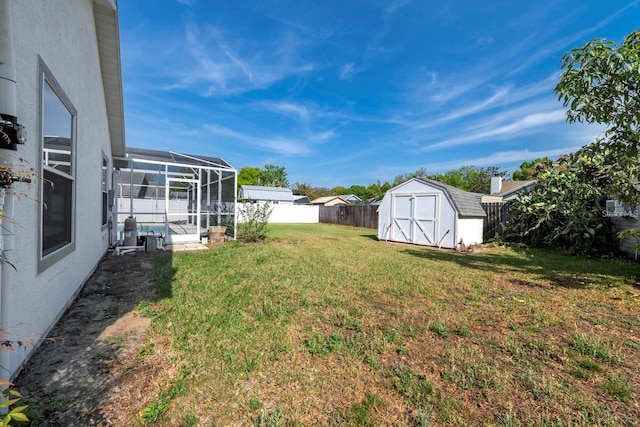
427,212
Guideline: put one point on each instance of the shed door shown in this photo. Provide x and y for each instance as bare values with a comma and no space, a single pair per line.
415,218
425,219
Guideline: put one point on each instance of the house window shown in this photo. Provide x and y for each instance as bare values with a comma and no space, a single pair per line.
105,190
57,226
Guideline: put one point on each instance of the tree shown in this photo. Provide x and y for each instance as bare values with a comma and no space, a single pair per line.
273,176
249,175
530,170
378,190
564,209
470,178
301,188
339,190
600,84
420,173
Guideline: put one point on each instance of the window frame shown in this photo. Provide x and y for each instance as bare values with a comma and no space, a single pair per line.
45,76
105,191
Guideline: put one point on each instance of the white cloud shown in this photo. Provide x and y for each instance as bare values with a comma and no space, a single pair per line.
347,71
223,64
563,43
499,158
289,109
517,127
276,144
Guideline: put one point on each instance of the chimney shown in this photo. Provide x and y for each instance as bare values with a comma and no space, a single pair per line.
496,184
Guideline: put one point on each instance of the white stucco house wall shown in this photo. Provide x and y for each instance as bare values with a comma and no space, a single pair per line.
430,213
68,97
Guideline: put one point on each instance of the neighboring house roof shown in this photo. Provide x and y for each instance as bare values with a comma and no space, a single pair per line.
258,192
108,36
466,203
511,187
350,198
328,199
301,200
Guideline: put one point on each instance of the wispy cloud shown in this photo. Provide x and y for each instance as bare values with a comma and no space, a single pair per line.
427,86
518,127
288,109
499,158
276,144
225,65
347,71
562,43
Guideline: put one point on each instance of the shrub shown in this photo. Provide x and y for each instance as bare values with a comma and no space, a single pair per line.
254,217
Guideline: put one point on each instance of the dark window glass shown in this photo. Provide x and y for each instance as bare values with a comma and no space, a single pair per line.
56,213
57,168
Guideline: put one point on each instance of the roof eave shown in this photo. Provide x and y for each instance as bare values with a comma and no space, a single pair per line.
108,36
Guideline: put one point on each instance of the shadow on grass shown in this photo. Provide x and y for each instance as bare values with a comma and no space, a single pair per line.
370,236
557,268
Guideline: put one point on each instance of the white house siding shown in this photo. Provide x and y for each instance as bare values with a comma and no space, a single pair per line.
470,230
62,33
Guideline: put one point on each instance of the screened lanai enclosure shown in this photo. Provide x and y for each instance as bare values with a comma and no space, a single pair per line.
178,196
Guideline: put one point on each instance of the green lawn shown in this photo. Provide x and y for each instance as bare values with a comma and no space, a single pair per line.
326,325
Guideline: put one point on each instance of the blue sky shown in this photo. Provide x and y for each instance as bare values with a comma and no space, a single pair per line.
353,91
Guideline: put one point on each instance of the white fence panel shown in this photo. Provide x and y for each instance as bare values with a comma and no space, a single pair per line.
289,214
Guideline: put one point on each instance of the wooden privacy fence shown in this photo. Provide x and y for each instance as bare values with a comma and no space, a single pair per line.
364,216
497,215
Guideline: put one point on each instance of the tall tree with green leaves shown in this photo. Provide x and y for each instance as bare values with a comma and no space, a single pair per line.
273,176
301,188
601,84
530,170
249,175
564,210
378,189
420,173
470,178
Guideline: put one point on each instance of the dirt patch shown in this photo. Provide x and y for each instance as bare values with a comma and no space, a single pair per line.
83,372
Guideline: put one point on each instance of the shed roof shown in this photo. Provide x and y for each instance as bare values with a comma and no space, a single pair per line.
465,202
259,192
